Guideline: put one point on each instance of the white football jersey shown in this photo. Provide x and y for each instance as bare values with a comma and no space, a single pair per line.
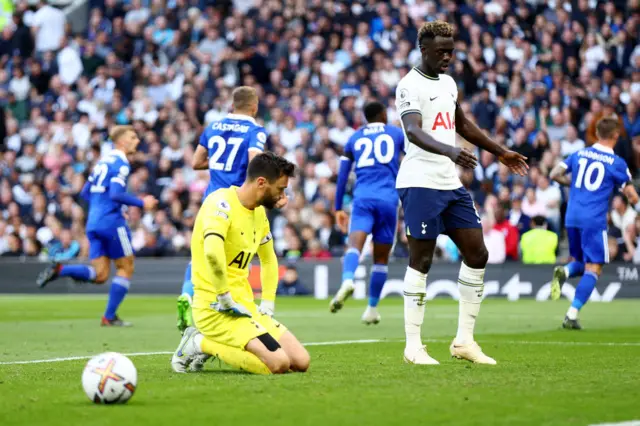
435,100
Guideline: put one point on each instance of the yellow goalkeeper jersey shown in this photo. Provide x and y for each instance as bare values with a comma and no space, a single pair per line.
243,232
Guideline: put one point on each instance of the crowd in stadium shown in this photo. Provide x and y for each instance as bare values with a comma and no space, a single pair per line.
537,75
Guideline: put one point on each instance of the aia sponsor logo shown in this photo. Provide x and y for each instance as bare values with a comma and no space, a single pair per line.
444,120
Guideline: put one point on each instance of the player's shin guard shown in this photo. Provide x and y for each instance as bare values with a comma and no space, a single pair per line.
187,284
583,292
78,272
234,357
350,264
117,293
415,299
376,282
470,286
574,269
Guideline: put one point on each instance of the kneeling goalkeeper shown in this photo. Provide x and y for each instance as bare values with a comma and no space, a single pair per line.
230,228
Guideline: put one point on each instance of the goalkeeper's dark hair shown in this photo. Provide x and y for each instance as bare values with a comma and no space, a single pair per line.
373,111
270,166
433,29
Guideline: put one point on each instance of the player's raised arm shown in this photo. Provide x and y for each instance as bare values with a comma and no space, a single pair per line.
412,123
466,128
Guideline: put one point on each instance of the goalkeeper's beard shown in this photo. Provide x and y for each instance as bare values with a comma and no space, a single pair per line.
268,201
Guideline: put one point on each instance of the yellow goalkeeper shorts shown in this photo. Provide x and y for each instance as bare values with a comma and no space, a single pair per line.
236,332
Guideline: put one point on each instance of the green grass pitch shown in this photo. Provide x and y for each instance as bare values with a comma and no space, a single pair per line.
544,376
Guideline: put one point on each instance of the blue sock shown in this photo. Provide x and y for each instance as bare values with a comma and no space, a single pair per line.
585,288
378,278
574,269
78,272
187,284
350,264
119,289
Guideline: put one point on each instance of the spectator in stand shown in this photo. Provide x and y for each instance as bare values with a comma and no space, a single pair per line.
494,240
517,218
168,68
539,245
290,284
510,232
551,197
315,251
65,249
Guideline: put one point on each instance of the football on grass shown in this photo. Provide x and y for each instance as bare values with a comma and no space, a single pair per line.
109,378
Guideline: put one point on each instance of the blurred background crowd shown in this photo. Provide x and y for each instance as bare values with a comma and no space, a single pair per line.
535,74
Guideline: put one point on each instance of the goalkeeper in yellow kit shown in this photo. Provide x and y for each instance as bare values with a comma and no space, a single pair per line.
230,228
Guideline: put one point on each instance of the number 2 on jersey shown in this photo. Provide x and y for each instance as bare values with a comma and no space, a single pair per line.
367,146
220,147
585,175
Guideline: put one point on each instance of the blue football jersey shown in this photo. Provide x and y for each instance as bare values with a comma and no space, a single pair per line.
105,213
228,143
375,149
596,172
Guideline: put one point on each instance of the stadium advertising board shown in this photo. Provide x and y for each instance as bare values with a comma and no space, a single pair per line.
511,281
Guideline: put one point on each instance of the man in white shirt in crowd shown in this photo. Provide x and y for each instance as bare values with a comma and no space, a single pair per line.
47,26
551,196
494,240
622,215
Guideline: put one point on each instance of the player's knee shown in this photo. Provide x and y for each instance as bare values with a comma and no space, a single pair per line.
300,361
477,260
278,362
422,265
102,275
593,267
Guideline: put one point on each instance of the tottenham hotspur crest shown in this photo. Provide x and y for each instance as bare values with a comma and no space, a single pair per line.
424,228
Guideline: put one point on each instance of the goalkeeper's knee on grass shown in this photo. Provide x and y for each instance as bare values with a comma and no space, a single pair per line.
275,362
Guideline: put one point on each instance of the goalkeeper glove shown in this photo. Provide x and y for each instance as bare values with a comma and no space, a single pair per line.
267,307
226,305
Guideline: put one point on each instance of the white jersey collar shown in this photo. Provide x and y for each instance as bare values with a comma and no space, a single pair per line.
120,154
242,117
376,123
602,148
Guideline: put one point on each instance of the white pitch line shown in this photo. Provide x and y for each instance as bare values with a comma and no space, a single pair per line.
347,342
76,358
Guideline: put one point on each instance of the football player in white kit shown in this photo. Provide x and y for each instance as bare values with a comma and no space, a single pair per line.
432,195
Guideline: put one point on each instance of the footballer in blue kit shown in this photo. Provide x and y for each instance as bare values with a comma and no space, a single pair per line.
375,149
225,149
595,174
107,230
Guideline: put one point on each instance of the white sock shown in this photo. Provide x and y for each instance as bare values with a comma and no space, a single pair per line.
471,287
197,342
415,299
572,313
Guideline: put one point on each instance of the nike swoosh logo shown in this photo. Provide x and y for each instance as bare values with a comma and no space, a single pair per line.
431,99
